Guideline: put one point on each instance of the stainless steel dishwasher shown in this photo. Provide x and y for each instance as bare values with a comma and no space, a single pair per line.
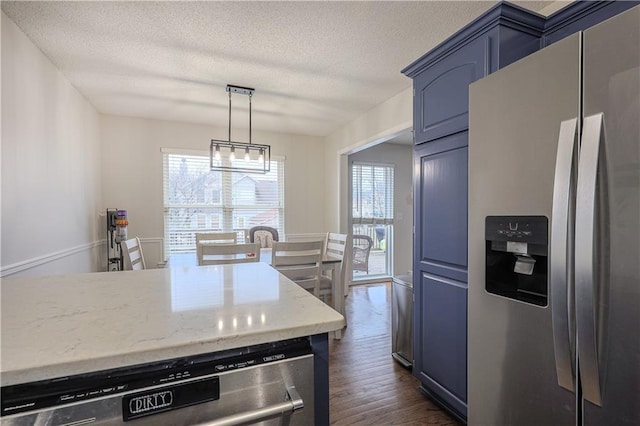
402,319
268,384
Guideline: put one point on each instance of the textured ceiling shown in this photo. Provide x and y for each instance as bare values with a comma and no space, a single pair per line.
315,65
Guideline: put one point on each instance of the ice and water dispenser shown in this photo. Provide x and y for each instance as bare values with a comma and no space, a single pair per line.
516,257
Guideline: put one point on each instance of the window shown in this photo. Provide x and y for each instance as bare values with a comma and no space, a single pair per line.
199,200
372,215
372,194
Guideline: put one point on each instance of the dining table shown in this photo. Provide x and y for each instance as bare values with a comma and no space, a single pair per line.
331,265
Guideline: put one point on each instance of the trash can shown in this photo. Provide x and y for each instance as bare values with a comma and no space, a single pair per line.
402,319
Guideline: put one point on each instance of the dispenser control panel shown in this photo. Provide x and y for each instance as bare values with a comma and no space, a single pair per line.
523,229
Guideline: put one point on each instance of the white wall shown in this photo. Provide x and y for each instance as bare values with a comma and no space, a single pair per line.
132,172
50,147
380,123
401,156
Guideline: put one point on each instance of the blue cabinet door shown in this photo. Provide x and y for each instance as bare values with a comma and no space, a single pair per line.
440,203
441,349
440,260
441,93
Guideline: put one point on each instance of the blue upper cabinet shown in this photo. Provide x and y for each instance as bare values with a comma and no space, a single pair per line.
441,94
441,77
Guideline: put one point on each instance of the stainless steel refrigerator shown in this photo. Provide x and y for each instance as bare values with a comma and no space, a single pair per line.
554,234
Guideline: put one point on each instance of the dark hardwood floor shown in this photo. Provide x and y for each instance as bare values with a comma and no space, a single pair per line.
366,386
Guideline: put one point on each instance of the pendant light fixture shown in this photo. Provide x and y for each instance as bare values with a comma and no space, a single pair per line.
251,157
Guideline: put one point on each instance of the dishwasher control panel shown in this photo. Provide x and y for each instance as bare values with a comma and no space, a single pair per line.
84,387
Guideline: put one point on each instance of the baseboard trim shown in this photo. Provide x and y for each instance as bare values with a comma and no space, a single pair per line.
372,280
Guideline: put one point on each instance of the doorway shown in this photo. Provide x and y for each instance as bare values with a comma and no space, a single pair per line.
393,240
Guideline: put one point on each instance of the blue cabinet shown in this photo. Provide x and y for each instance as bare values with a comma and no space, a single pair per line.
440,203
441,95
440,293
441,78
444,365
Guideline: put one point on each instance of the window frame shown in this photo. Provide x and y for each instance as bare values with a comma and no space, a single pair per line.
224,205
388,217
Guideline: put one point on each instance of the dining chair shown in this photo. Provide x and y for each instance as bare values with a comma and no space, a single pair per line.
300,262
317,236
132,254
265,235
361,248
336,246
217,254
217,237
209,238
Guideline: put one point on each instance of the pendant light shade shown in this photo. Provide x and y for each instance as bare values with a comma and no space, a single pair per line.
222,154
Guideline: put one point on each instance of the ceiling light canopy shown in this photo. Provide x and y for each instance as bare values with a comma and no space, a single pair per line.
239,156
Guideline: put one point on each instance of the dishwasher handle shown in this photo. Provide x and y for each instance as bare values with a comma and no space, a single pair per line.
293,404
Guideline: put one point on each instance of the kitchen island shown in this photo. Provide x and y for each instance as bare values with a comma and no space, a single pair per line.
68,325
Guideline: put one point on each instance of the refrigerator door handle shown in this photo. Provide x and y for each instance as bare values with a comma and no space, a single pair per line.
560,263
585,257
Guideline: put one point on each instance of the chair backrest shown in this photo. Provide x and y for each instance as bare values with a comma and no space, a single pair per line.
300,262
307,237
339,246
265,235
318,236
336,245
361,247
203,238
132,254
216,254
217,237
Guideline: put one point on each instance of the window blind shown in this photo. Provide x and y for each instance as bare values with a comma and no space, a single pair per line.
372,198
197,199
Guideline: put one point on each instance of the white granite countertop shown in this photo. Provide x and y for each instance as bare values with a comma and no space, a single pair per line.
56,326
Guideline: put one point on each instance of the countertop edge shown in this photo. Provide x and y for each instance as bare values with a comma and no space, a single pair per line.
85,366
